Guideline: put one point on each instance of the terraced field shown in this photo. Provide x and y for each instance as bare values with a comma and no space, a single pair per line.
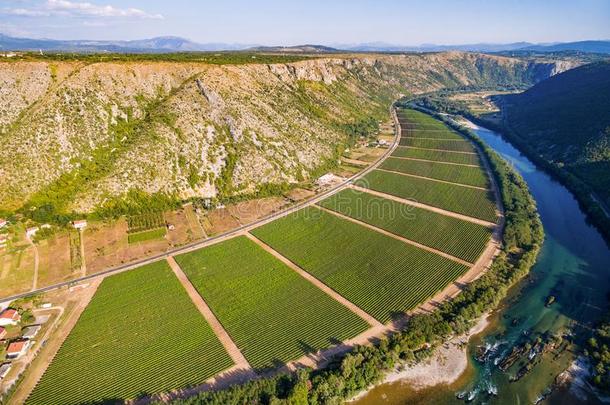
380,274
457,145
272,313
462,239
140,334
473,176
439,156
463,200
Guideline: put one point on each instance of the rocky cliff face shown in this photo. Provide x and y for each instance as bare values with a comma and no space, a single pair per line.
75,134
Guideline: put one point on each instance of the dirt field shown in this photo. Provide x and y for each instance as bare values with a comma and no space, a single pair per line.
16,270
235,215
55,264
299,194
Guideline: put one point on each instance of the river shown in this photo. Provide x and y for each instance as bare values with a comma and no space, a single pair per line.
573,266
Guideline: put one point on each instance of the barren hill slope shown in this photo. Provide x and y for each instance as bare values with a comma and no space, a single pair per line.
75,136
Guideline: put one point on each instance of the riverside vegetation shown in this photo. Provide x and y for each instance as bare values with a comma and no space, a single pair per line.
366,365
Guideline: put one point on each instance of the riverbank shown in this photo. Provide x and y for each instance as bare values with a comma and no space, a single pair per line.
448,362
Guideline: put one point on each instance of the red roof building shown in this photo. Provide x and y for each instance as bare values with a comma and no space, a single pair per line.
9,317
17,349
2,332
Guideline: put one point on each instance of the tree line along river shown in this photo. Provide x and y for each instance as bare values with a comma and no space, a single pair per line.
515,360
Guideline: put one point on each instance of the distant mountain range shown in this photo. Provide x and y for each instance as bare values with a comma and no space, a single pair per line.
177,44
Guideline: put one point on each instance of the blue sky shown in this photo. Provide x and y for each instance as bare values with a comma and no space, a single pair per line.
275,22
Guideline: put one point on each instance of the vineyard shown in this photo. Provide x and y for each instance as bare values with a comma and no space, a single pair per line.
456,145
272,313
462,239
468,201
140,334
473,176
429,133
145,222
436,155
414,119
382,275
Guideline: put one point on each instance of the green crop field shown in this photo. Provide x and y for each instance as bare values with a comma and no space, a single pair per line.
457,145
450,235
464,200
380,274
409,132
158,233
438,156
271,312
416,119
140,334
473,176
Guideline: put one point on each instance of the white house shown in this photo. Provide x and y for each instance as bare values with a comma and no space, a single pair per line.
3,222
80,224
30,232
9,317
30,332
17,349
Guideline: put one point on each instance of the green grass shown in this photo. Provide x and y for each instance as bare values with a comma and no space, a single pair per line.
273,314
473,176
457,145
378,273
158,233
438,156
461,239
463,200
140,334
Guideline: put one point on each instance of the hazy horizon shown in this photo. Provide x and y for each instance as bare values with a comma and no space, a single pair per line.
272,22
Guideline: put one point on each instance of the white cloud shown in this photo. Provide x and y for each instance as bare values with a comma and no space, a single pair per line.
68,8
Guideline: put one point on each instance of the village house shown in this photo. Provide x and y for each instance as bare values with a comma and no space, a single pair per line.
2,333
9,317
3,222
30,332
4,369
3,240
17,349
80,224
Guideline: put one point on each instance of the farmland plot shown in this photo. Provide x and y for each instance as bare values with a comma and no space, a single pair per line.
472,176
140,334
272,313
437,156
463,200
462,239
440,133
378,273
457,145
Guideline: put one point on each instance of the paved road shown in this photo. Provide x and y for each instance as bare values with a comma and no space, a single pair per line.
219,238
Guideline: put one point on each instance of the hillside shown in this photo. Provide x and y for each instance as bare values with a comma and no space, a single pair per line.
566,120
79,135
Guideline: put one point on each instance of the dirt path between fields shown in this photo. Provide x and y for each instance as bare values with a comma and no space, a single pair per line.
397,237
238,358
425,206
336,296
46,354
36,263
432,161
433,179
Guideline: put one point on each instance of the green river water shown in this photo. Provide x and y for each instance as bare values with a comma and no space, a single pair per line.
573,266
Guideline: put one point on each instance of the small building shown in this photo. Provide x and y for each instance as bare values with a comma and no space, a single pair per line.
3,240
30,232
9,316
2,332
80,224
3,222
29,332
4,369
17,349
